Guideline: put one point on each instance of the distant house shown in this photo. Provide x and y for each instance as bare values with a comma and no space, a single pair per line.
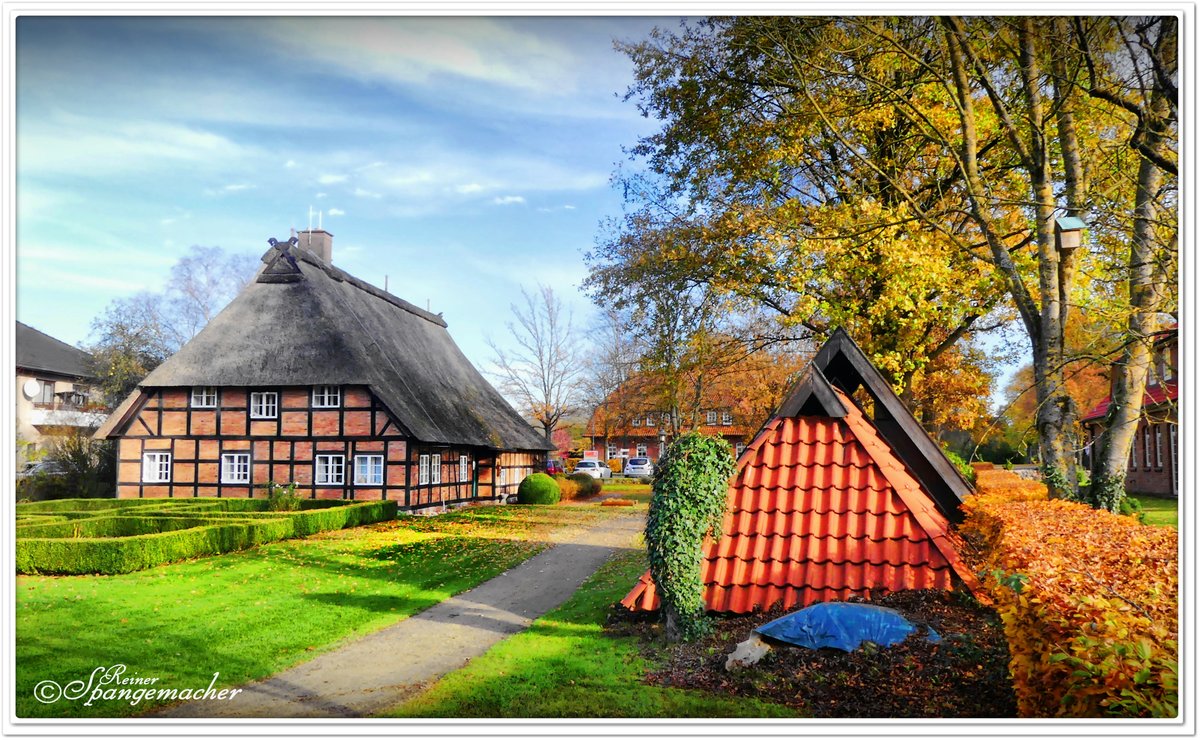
54,391
630,424
315,377
1154,457
829,501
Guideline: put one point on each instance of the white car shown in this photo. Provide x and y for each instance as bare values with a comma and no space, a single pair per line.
594,468
639,467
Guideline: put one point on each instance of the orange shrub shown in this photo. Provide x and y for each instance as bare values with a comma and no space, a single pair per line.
1088,599
567,487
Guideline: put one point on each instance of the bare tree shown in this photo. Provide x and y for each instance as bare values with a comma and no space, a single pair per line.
608,371
201,284
543,373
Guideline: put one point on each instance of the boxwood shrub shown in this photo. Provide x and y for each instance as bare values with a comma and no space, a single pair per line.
538,488
123,544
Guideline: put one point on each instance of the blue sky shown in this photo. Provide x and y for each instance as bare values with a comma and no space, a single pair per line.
463,158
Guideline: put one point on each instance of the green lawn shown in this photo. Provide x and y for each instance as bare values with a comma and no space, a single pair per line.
250,614
1161,512
565,666
639,492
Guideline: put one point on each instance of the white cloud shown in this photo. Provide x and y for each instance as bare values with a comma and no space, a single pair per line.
469,188
236,187
508,200
290,164
366,193
331,179
552,209
320,195
336,212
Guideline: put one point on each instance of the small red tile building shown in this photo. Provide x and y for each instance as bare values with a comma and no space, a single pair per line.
313,377
827,503
1154,458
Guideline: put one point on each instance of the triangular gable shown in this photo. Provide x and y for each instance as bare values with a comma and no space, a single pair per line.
843,363
821,509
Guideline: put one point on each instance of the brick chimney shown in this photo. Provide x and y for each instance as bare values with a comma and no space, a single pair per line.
319,242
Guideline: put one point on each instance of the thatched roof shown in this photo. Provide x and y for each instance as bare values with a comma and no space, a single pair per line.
305,322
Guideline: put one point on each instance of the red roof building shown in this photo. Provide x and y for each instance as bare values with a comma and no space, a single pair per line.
1154,457
823,506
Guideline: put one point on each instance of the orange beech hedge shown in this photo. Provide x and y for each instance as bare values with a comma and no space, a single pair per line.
1088,599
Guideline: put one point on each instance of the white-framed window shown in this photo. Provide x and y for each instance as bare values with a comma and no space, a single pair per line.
45,393
739,448
264,405
235,467
331,470
368,470
156,467
435,469
204,397
650,420
326,397
641,450
610,451
637,422
726,419
1173,433
1146,445
423,471
464,468
1158,447
710,418
1133,453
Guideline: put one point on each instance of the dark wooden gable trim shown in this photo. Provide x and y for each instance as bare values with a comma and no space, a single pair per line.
812,395
843,363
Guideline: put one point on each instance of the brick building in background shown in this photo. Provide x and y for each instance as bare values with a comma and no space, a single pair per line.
314,377
1154,459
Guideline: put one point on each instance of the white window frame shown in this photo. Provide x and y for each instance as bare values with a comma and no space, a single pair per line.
235,467
1133,453
1158,451
435,470
204,397
1173,433
1146,444
368,470
156,467
637,422
464,472
651,421
331,463
45,394
326,396
423,470
710,418
738,449
726,419
641,450
262,402
611,451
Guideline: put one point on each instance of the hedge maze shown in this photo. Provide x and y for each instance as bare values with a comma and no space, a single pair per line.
110,536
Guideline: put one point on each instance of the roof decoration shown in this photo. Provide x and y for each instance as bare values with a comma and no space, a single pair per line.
821,508
304,322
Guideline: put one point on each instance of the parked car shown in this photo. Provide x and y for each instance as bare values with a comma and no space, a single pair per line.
594,468
43,467
554,466
639,467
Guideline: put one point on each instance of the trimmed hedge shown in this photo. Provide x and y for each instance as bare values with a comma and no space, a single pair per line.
1089,601
111,545
538,488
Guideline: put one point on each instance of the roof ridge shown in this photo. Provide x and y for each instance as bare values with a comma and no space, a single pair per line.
342,276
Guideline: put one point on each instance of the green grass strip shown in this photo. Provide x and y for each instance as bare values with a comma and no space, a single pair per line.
564,666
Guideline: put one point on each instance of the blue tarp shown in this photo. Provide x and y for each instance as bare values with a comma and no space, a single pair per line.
843,626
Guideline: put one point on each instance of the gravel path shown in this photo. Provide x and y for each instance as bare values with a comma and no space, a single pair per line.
382,669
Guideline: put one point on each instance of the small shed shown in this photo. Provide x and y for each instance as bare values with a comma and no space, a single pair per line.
828,503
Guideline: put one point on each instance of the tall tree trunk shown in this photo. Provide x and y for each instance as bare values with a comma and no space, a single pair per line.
1113,447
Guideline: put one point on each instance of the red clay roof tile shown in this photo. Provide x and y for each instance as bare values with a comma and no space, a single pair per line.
820,509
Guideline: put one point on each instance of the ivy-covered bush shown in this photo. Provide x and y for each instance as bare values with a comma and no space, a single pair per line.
538,488
1089,601
691,483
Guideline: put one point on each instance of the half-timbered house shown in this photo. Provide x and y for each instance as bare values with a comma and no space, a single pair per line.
314,377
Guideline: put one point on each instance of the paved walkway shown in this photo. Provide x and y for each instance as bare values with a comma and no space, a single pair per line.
382,669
